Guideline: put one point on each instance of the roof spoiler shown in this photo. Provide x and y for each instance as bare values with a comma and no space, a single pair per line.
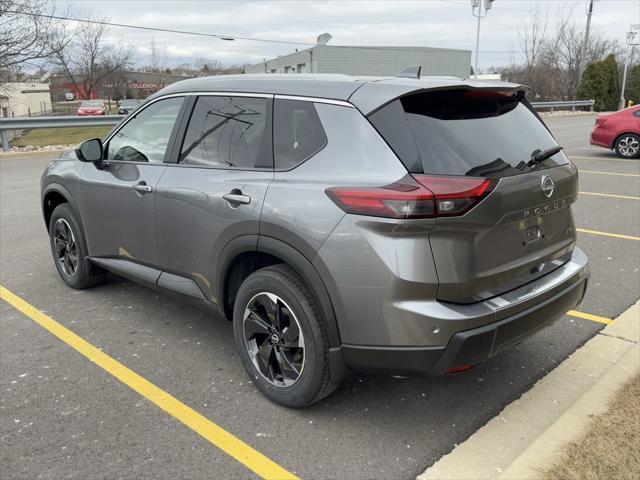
410,72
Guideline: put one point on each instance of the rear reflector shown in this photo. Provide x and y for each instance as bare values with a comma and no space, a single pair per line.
418,196
458,369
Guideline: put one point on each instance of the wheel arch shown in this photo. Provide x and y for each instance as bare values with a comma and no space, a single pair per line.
261,252
53,195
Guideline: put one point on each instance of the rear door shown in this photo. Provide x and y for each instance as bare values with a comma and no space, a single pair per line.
214,187
520,231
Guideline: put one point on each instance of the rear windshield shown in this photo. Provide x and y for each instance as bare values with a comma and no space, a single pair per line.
464,132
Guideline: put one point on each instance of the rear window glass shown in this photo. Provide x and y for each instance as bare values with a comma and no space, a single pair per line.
463,132
297,133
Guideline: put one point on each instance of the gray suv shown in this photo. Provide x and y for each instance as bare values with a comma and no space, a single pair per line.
388,226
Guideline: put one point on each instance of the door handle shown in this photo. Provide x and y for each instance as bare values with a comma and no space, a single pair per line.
142,187
235,198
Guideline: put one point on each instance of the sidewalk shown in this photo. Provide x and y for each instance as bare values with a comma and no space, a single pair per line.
524,440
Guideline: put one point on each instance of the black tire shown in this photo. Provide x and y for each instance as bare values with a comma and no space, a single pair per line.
313,382
85,274
628,145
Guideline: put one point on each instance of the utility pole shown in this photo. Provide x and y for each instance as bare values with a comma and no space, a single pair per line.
487,6
632,41
585,45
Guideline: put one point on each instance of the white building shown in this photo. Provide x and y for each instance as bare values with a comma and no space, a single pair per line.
24,99
376,61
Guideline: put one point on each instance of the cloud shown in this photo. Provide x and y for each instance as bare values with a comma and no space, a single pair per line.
437,23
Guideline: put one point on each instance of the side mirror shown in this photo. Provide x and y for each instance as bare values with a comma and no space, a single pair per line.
90,150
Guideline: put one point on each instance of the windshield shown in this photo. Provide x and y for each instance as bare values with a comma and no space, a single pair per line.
129,103
465,132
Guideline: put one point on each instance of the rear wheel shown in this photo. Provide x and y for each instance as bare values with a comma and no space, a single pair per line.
70,251
628,145
281,338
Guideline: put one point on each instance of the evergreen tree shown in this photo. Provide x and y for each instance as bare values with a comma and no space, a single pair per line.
633,84
600,83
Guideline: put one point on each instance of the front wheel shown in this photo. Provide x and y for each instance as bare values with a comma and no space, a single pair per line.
70,251
628,146
281,338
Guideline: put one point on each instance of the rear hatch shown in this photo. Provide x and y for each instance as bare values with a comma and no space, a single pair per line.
521,227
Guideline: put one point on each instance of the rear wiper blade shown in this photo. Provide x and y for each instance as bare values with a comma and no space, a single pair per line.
538,155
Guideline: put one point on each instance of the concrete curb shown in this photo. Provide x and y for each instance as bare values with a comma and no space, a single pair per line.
528,436
34,153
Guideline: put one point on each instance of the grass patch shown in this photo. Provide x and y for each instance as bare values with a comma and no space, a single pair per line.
59,136
610,449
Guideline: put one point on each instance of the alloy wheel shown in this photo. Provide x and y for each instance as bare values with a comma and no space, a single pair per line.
273,339
628,146
66,249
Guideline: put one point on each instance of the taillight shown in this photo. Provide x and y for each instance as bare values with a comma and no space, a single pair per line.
418,196
456,195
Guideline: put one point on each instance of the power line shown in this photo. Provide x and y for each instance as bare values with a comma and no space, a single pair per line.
155,29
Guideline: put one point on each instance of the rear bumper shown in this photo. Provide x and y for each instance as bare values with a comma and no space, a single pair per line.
600,138
519,314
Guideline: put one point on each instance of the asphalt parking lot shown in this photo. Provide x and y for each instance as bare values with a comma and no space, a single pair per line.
62,416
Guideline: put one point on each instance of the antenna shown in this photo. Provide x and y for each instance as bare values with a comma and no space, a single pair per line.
410,72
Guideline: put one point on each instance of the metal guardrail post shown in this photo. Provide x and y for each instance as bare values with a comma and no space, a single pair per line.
5,140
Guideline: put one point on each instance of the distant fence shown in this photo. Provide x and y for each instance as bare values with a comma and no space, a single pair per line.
30,123
571,105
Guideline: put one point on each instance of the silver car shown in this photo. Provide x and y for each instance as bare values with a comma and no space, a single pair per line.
402,226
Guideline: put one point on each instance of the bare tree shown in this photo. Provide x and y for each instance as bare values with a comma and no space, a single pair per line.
533,35
552,54
158,63
88,59
27,33
208,66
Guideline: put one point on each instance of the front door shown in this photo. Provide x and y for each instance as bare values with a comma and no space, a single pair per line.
214,190
117,196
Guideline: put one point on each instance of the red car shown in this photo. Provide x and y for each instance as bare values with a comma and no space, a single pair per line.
92,107
620,131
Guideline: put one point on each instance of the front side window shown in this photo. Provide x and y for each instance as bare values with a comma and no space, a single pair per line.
146,136
297,133
228,132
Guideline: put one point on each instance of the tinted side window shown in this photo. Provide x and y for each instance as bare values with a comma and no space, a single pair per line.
228,132
297,133
145,137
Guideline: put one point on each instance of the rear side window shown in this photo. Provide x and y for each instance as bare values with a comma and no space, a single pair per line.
228,132
463,132
297,133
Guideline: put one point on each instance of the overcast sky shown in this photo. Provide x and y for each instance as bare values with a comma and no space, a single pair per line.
433,23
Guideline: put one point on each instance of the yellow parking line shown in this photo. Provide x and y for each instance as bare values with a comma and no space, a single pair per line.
607,234
628,197
609,173
588,316
225,441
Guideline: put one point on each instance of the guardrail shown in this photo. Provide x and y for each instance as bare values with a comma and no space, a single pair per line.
562,105
30,123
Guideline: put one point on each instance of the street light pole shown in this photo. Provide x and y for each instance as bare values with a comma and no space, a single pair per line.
487,6
632,34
